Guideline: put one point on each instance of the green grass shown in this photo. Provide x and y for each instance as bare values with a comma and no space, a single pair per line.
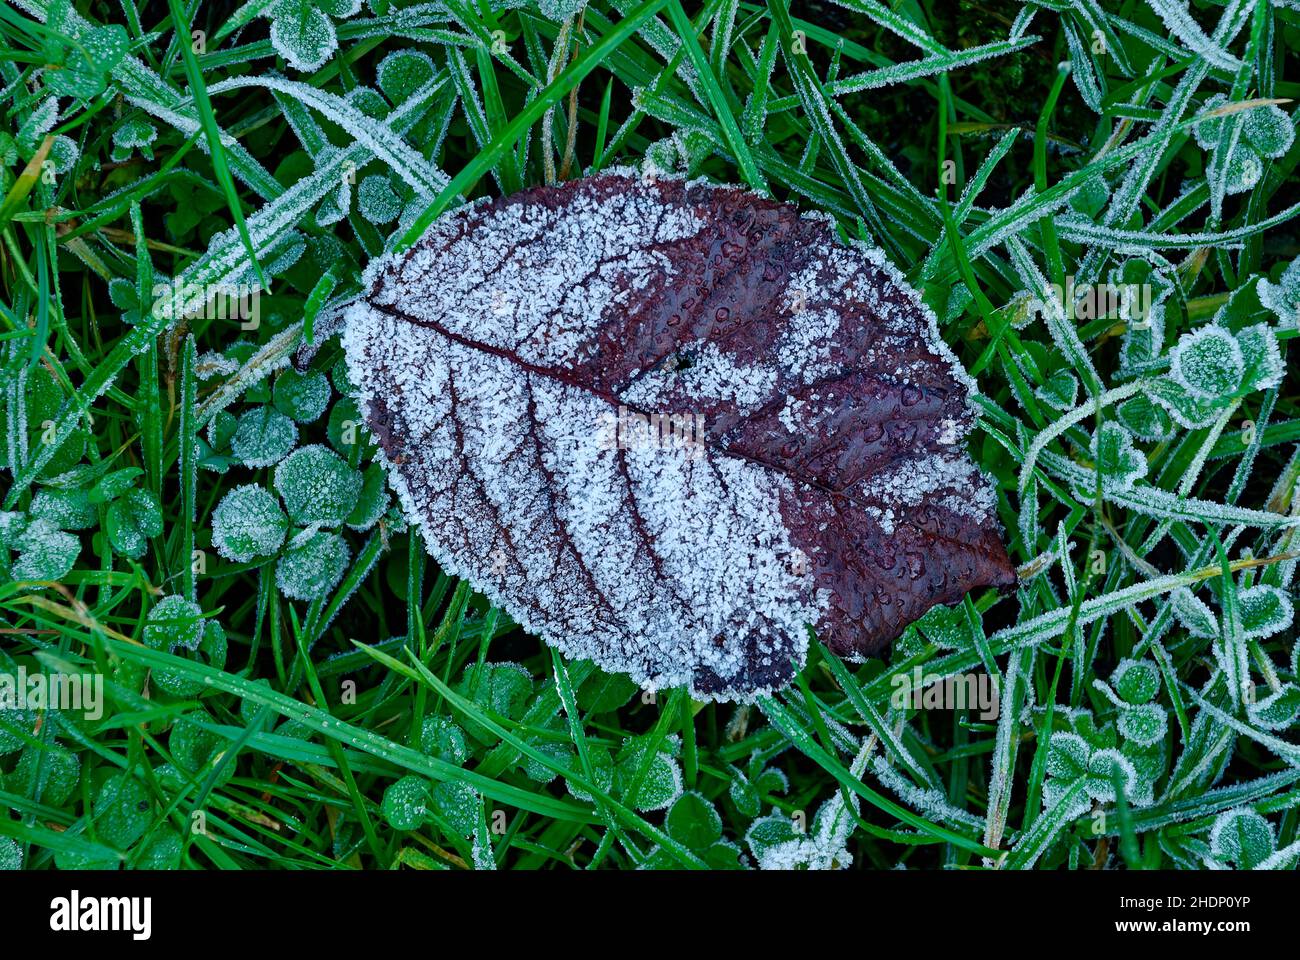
338,702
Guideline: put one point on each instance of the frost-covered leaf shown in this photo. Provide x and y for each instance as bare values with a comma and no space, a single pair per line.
133,135
1277,711
132,519
1104,767
809,428
11,855
406,803
1268,130
693,822
602,768
263,437
1136,681
777,845
442,737
403,72
57,768
123,811
1067,756
80,60
248,523
1242,838
1207,363
312,565
503,688
65,509
1194,614
317,486
1119,462
174,623
44,552
1283,297
302,396
603,692
1182,405
661,782
377,200
456,804
1144,419
372,501
1060,391
302,34
1144,725
1263,356
1264,611
947,627
559,10
177,625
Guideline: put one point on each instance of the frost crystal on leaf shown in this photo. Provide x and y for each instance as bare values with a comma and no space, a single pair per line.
1207,363
318,486
263,437
668,425
312,565
248,523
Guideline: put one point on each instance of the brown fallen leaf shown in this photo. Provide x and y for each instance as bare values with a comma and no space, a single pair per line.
667,426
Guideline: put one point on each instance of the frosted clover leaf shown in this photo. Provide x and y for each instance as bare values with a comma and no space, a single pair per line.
1194,614
1119,462
79,67
778,845
372,502
1266,133
406,803
131,136
44,551
1278,710
1242,837
1082,772
263,437
303,33
454,804
177,625
312,565
302,396
1283,297
1060,391
694,823
318,487
648,782
1264,610
1136,681
1208,363
503,688
248,523
1210,366
132,519
67,509
377,200
809,428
